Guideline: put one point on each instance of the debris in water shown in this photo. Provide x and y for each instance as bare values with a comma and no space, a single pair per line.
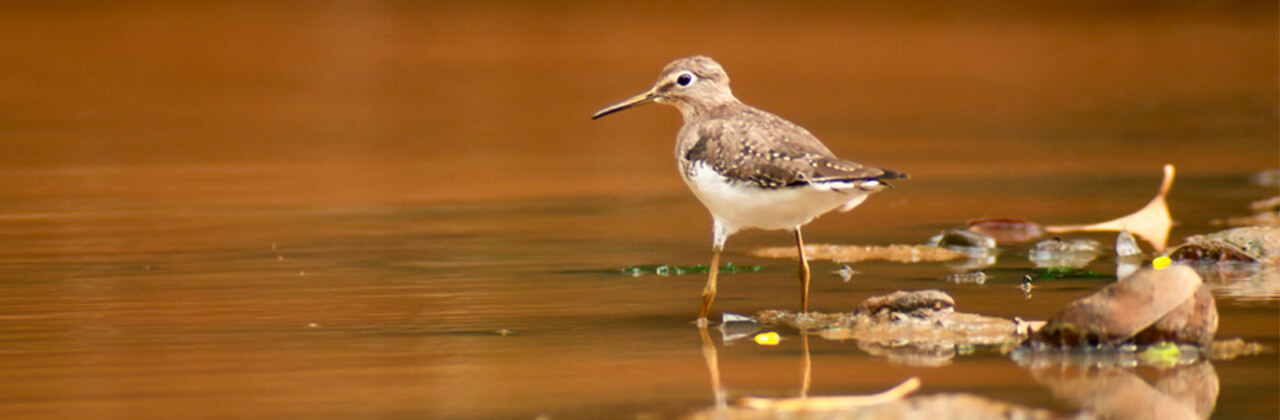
731,318
972,277
846,272
1006,230
1268,205
1055,252
1126,246
768,339
1051,273
736,327
1025,328
1152,223
856,253
1234,348
670,270
1026,286
1267,178
1128,255
1161,354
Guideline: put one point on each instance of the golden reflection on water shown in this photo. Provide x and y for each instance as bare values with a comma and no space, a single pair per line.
342,210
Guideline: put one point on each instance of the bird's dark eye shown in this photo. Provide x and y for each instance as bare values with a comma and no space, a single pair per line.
684,79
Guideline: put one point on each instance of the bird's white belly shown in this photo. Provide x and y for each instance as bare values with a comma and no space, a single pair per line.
741,205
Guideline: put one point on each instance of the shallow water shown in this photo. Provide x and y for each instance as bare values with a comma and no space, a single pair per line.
401,211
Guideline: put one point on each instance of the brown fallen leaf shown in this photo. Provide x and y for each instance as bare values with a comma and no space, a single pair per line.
1152,223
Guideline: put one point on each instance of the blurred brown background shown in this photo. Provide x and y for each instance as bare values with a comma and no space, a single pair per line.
349,101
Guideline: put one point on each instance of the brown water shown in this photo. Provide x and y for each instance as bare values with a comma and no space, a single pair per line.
386,210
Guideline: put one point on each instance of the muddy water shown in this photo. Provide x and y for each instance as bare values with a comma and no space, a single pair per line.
402,211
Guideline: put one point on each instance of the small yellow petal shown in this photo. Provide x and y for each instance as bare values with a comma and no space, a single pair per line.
1161,262
768,339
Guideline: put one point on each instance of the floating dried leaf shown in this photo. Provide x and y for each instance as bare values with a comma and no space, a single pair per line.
1152,223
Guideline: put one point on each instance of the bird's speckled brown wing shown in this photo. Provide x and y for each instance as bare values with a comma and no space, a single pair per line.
769,151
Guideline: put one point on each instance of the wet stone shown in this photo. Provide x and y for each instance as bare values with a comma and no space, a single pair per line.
1261,244
1267,178
1056,252
1152,305
1127,245
921,303
1006,230
968,242
1210,251
1193,322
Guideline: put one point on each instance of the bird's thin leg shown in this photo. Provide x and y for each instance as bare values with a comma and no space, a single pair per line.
804,273
720,234
709,292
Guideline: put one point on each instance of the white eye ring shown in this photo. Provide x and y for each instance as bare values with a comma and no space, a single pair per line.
686,79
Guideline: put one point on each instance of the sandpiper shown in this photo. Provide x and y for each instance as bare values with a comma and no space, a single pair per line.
750,168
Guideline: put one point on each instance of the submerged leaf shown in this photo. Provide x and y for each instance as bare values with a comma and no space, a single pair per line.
855,253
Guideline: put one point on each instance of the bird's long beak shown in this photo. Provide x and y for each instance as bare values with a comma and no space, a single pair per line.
634,101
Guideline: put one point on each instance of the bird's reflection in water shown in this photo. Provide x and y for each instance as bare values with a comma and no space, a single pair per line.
713,367
1188,391
802,403
710,355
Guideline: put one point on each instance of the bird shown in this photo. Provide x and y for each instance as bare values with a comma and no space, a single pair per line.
750,168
